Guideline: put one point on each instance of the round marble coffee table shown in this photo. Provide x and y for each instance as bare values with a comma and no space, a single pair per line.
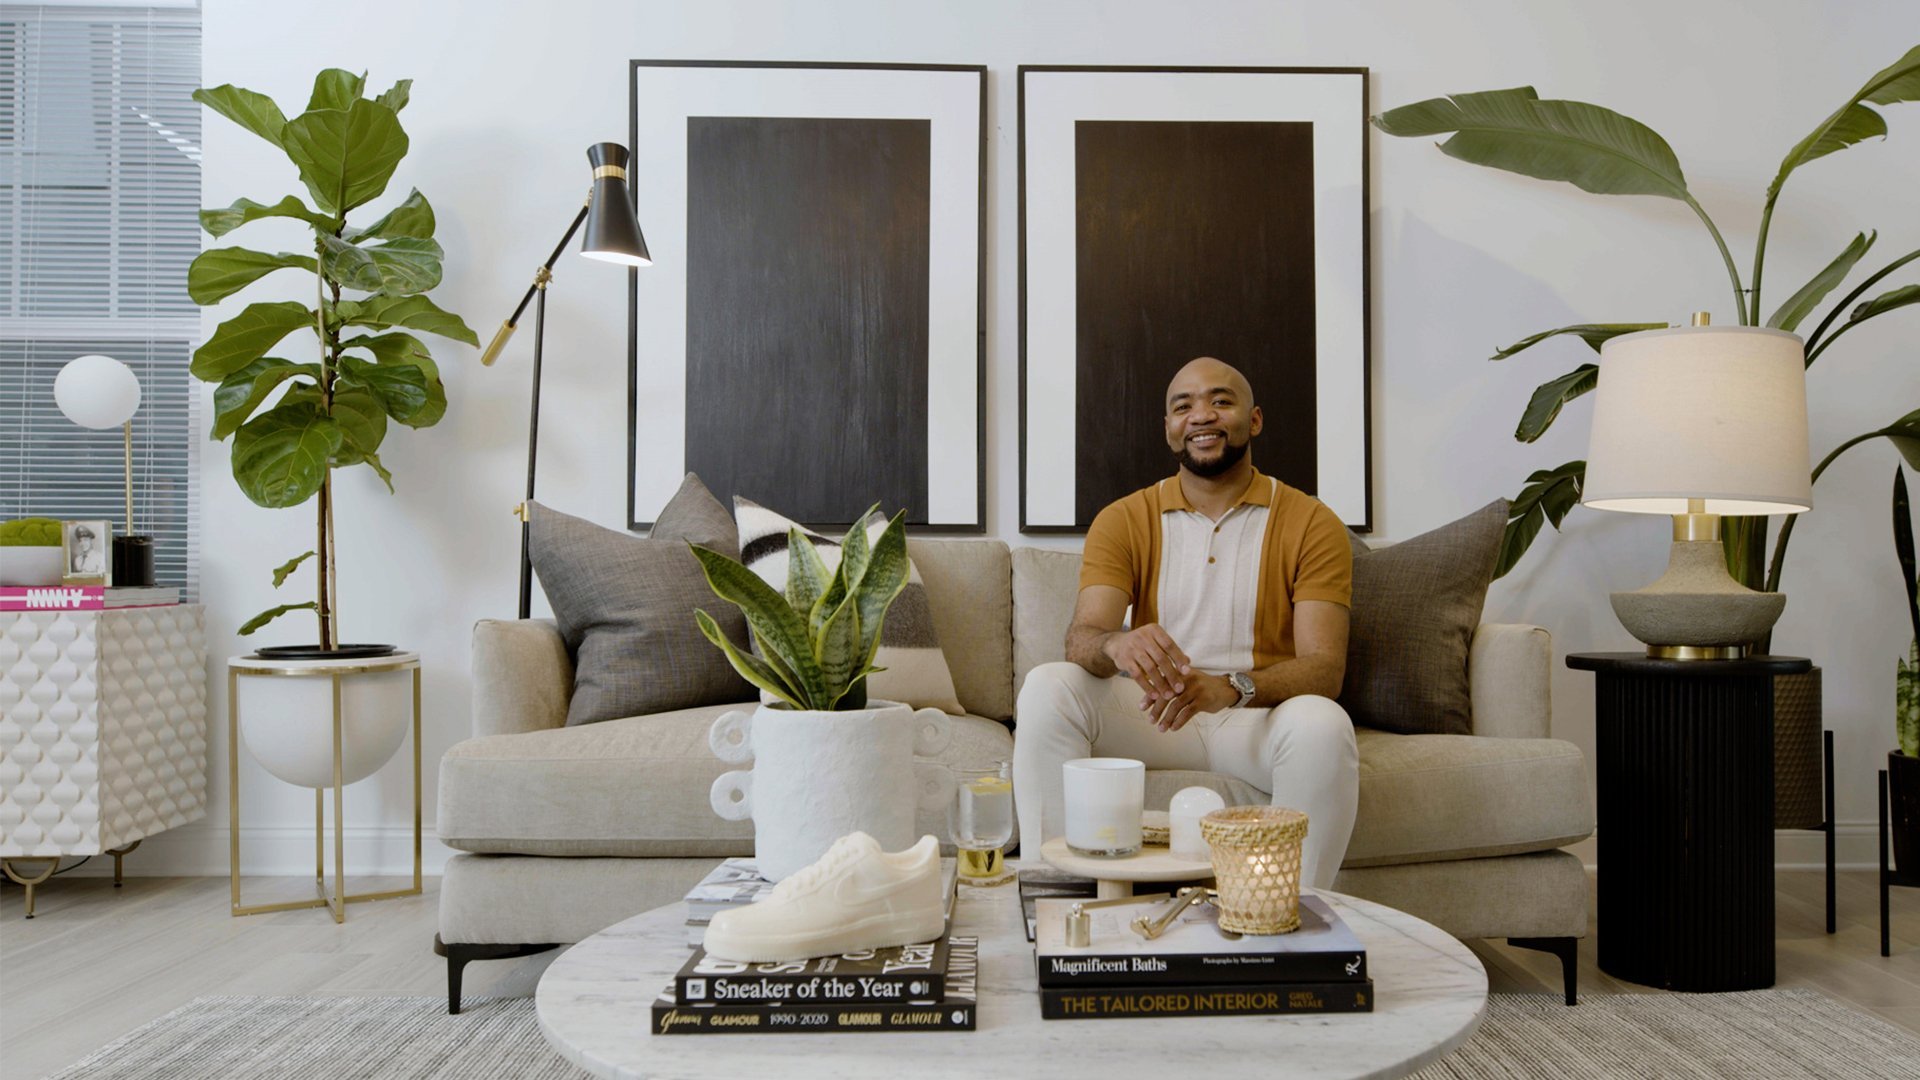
1430,993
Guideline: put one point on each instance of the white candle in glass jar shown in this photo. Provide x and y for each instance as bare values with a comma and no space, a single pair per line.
1104,799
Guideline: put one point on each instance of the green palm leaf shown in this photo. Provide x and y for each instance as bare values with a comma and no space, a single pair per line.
1854,122
1801,304
1549,397
1594,334
1549,495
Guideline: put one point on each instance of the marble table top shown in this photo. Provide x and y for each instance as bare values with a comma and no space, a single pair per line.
1430,994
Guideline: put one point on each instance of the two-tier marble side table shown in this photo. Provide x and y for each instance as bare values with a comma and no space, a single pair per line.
103,733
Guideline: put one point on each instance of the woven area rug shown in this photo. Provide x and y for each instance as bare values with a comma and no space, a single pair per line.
1768,1033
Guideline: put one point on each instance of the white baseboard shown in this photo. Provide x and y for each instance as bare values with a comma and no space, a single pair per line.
200,850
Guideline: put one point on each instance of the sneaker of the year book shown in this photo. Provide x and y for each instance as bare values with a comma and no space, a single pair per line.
855,897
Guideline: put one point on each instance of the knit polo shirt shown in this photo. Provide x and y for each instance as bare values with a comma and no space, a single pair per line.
1301,554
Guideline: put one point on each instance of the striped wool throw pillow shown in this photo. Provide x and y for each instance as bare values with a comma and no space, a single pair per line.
916,670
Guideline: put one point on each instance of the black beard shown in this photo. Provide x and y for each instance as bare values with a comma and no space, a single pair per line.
1230,456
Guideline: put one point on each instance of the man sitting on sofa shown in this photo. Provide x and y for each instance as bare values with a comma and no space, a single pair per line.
1239,587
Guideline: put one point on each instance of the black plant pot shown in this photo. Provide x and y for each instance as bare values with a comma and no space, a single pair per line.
315,652
1903,791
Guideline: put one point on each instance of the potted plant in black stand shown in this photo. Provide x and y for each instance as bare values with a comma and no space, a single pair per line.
1903,762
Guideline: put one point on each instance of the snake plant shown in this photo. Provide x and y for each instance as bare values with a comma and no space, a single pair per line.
1907,682
814,644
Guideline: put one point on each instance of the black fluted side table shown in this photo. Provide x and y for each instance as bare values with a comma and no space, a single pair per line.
1684,753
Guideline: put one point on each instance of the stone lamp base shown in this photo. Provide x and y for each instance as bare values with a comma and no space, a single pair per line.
1696,611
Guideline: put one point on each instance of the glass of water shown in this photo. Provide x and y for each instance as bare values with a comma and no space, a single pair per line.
981,821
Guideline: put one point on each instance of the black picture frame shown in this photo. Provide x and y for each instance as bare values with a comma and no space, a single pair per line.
732,144
1117,153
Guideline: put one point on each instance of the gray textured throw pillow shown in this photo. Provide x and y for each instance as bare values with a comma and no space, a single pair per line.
1416,605
625,608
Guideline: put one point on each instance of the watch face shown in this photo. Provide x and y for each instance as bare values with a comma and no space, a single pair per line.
1242,682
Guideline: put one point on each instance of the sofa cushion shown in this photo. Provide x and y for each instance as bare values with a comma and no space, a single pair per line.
631,787
1415,607
969,586
916,671
625,606
1432,798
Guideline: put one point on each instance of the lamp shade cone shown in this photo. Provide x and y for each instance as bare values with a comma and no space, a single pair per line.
613,235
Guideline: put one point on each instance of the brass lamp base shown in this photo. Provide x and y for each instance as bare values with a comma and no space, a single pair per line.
1696,611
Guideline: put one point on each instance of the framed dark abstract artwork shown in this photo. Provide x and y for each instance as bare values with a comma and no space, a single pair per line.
1170,213
811,332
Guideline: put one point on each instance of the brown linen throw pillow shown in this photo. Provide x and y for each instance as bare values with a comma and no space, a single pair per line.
625,608
1416,605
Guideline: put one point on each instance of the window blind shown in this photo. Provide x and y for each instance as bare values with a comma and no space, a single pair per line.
99,194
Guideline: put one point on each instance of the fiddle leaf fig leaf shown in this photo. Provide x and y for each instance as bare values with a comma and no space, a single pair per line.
362,419
280,572
400,389
218,273
280,457
336,89
272,613
223,221
412,312
246,337
396,97
346,156
251,110
413,217
240,393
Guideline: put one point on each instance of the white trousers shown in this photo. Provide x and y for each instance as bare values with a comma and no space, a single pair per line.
1302,752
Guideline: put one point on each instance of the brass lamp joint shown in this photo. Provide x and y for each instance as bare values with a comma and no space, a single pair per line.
541,277
520,512
1696,523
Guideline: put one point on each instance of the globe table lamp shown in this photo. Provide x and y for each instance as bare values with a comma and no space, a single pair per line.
100,392
1698,422
613,235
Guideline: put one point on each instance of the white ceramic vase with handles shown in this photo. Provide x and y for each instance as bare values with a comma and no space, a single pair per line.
818,776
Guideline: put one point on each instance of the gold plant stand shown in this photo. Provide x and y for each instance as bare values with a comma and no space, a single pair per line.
338,901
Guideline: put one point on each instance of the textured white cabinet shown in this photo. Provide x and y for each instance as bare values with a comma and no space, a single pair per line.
103,729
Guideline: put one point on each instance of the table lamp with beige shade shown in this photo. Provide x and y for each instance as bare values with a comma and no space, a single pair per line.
1699,422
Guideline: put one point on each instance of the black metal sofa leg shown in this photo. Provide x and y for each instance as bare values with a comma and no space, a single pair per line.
459,956
1567,949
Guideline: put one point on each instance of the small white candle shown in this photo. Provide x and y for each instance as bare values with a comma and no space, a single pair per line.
1104,799
1189,805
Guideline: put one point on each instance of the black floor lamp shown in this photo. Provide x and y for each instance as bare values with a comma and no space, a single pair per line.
612,236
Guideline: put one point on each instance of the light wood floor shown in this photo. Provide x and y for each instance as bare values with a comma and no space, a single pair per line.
98,961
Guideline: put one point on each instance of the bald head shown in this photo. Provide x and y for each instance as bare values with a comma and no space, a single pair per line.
1204,375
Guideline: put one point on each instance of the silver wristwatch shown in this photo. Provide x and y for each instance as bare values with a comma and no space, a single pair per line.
1242,682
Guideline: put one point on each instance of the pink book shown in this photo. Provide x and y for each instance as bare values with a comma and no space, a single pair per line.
84,597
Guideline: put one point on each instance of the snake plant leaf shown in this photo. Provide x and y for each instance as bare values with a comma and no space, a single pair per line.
280,572
751,668
1590,147
837,650
1550,494
223,221
246,337
1903,542
411,312
886,578
251,110
1549,397
807,573
345,156
396,96
772,660
1801,304
218,273
400,389
280,457
780,630
272,613
336,89
244,391
1854,122
412,218
1594,334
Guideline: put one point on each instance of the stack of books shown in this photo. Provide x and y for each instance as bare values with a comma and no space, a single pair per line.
930,987
85,597
1193,969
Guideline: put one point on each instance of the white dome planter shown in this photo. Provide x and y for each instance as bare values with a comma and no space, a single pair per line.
818,776
287,722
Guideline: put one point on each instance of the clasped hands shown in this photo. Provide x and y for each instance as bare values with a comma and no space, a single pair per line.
1173,692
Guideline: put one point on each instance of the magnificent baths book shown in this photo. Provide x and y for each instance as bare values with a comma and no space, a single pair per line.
1193,951
954,1011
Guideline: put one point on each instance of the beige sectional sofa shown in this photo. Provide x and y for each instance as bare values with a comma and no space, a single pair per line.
562,831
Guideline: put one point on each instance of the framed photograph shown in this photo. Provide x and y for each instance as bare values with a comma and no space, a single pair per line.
1172,213
811,333
86,553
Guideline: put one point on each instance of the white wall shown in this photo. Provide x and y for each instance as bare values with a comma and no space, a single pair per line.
508,95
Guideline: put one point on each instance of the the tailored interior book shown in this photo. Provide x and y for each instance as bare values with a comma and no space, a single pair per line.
1251,999
953,1011
1193,951
893,974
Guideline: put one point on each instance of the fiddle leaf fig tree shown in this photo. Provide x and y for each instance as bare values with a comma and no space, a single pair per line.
1603,152
293,423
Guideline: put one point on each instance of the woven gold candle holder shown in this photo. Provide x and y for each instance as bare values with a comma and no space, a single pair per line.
1256,867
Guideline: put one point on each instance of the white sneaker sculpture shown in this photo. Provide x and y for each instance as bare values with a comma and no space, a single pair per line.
855,897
